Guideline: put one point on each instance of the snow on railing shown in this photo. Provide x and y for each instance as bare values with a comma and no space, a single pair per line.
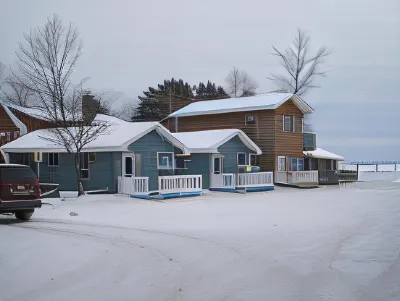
182,183
297,177
256,179
129,185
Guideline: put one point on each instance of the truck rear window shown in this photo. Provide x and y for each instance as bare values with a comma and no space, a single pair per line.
16,174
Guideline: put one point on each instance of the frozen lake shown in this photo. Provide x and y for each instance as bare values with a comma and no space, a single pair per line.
323,244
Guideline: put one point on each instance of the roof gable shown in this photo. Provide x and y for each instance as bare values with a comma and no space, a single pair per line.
268,101
210,141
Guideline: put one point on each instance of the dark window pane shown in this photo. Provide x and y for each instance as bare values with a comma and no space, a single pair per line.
128,165
217,165
241,159
17,174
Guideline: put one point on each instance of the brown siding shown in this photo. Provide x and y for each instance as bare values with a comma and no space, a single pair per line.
267,132
288,144
6,126
31,123
262,132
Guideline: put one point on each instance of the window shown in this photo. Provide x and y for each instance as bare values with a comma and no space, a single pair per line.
92,157
281,163
128,166
250,119
241,158
288,123
180,163
217,165
165,160
85,166
8,136
297,164
253,159
52,159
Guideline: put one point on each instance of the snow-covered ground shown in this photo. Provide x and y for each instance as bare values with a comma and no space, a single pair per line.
323,244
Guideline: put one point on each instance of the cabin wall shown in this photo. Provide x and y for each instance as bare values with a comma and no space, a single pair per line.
199,165
148,146
103,172
266,131
229,150
288,144
6,126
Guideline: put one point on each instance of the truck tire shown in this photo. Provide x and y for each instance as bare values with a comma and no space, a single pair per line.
24,215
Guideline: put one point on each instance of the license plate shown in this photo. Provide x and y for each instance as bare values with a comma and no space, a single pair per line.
21,187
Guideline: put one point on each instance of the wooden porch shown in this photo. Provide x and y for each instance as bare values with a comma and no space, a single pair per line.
242,182
168,186
299,179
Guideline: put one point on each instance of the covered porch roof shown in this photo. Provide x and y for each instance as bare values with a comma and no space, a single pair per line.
320,153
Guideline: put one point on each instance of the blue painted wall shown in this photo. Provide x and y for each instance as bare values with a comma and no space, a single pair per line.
103,172
199,165
148,146
229,150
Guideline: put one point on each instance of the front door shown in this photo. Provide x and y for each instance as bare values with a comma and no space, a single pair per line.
128,165
217,169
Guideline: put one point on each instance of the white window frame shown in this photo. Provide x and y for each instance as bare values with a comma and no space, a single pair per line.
245,159
255,155
221,165
8,137
133,165
297,164
280,169
293,123
48,159
83,167
172,163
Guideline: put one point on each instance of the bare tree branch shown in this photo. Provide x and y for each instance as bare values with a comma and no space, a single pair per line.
46,61
240,83
300,69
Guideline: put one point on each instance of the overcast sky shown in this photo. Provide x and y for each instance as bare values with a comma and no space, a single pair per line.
131,45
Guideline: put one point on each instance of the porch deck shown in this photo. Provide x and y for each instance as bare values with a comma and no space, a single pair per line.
298,179
243,182
168,187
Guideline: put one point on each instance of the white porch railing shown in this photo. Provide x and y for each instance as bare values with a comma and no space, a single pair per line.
129,185
300,177
281,177
225,180
183,183
256,179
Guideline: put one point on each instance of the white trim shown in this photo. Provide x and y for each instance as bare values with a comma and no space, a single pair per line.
294,123
255,155
81,161
245,139
123,170
285,169
172,161
302,124
221,165
237,158
18,123
48,159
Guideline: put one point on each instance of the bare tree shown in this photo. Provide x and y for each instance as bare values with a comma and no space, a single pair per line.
249,85
234,81
46,61
300,67
240,84
15,92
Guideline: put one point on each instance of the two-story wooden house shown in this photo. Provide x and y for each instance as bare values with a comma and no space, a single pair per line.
274,121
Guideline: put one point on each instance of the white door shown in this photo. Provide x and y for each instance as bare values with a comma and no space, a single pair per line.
128,165
217,169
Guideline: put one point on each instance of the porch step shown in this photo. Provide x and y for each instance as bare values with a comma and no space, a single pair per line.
306,186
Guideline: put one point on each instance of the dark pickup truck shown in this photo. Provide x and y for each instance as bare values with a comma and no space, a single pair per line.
19,191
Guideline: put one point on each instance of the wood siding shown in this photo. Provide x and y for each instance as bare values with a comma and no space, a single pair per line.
6,126
266,132
288,144
31,123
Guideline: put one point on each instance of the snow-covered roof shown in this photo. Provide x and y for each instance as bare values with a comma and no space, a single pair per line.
209,141
320,153
37,113
118,136
268,101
